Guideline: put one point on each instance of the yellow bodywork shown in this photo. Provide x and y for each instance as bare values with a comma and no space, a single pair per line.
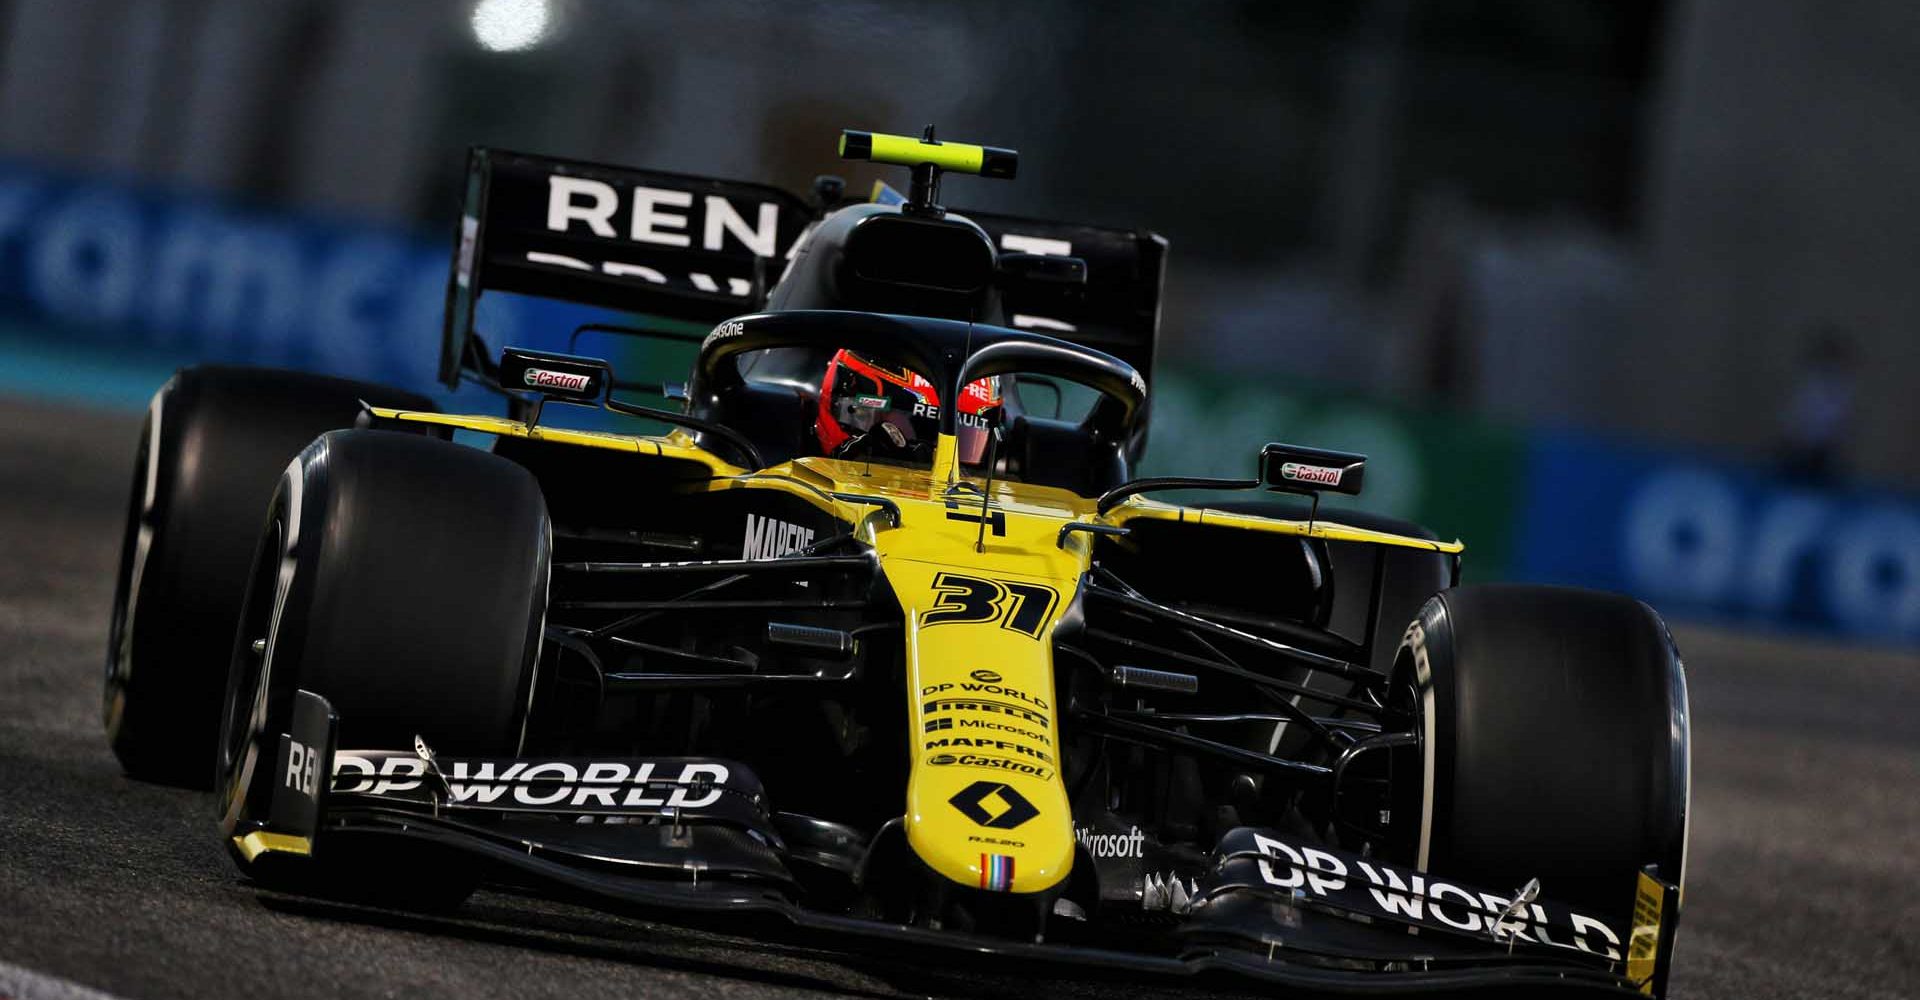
986,805
260,842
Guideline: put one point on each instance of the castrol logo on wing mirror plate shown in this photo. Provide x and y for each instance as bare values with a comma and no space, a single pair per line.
1319,475
565,376
1294,469
542,378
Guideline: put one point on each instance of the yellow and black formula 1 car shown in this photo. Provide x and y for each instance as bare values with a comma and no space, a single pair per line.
869,644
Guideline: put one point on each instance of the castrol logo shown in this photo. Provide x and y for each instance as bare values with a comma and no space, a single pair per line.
1320,474
541,378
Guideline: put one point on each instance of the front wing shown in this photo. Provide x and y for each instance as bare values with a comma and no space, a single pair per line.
695,837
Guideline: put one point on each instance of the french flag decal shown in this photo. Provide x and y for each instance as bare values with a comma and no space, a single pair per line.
996,872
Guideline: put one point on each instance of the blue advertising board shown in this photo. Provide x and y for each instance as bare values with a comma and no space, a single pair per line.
1702,538
134,270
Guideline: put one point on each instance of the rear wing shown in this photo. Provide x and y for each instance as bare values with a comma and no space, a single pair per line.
690,248
705,250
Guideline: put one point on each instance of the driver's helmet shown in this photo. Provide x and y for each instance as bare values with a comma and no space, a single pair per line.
868,408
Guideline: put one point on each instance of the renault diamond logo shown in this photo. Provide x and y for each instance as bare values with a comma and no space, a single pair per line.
979,803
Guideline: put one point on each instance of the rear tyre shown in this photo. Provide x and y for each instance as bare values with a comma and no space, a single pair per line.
1554,735
404,579
212,444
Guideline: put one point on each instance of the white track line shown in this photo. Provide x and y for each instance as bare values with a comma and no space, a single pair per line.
17,983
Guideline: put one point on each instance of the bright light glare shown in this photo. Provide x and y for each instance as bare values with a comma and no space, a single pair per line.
511,25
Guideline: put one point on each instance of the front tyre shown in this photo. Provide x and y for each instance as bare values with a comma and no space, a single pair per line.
404,579
1554,740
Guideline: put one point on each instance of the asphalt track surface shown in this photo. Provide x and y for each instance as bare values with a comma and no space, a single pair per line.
1805,877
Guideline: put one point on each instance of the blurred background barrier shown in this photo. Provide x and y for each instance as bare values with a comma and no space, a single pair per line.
95,266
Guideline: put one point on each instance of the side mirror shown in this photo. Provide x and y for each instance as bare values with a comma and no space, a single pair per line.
1042,269
1295,469
566,377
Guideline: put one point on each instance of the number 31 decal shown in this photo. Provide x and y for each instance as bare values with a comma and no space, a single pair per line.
1022,607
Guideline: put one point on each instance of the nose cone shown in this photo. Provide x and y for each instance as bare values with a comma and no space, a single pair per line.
986,806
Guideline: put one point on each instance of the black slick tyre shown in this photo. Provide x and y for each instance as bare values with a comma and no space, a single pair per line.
213,443
1554,743
404,579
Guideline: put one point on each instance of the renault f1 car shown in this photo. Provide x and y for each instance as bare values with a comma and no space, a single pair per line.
868,642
